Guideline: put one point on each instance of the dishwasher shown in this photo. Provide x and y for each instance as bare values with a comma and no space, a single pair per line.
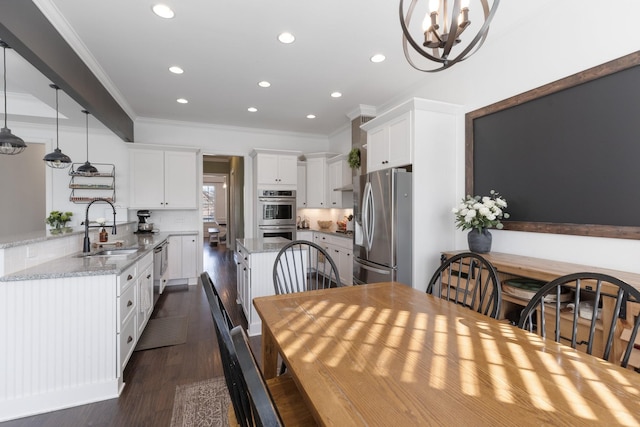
160,263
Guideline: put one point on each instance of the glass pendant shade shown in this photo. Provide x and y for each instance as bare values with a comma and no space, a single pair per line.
57,159
87,167
9,143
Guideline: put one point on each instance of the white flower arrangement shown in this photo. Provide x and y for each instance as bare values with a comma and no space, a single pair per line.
481,212
101,221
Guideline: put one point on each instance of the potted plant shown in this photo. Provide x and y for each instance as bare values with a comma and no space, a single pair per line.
57,220
354,158
478,214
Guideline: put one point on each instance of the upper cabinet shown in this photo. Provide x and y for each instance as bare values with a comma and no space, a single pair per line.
317,180
163,179
301,192
276,169
340,183
390,144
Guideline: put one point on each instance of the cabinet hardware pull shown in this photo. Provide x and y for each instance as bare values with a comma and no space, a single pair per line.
129,303
148,276
129,339
129,277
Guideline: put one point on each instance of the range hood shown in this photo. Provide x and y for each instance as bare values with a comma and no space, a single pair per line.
348,187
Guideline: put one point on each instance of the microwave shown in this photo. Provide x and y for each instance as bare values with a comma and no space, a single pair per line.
276,207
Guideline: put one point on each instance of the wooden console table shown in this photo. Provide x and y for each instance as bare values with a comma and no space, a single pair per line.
516,266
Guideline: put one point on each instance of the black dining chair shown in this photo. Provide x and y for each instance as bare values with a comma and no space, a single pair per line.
210,288
468,279
304,266
598,312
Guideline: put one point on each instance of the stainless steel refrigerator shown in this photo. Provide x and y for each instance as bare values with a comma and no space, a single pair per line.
382,231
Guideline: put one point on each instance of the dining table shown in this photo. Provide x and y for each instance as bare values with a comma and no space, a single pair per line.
386,354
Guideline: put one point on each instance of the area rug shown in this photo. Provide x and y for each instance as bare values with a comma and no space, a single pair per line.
201,404
163,332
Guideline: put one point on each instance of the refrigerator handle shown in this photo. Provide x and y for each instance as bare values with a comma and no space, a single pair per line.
368,215
375,270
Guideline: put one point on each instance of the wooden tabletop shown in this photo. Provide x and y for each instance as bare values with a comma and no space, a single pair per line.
388,355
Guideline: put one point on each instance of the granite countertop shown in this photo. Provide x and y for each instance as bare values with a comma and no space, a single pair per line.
77,265
267,244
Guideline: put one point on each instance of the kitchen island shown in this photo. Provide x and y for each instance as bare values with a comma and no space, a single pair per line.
70,324
255,259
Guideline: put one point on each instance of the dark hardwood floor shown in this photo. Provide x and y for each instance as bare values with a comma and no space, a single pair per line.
152,375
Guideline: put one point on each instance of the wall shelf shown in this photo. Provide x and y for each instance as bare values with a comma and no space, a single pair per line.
86,187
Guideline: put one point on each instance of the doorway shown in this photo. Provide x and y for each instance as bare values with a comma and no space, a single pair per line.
222,197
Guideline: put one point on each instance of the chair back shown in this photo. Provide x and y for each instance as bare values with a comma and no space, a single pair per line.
213,295
469,280
600,310
304,266
264,411
229,358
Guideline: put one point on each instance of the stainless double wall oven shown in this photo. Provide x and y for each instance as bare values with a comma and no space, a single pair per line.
277,213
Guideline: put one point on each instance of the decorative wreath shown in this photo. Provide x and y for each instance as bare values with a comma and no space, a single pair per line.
354,158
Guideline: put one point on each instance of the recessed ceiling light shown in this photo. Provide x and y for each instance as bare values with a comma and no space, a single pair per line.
252,109
378,57
182,101
264,83
163,11
311,116
286,38
176,70
336,94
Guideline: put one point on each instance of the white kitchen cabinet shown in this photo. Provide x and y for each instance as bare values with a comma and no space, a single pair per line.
340,177
390,144
340,249
304,235
182,259
243,273
145,292
276,170
301,191
316,183
163,179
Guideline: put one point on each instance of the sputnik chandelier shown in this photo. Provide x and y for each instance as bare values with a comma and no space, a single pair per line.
444,23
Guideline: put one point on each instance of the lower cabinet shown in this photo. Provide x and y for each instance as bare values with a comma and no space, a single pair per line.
145,292
340,249
255,279
182,259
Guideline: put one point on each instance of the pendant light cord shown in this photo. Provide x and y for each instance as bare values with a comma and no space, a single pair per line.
87,128
57,137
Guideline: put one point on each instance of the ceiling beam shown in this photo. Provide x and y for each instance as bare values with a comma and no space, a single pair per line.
25,29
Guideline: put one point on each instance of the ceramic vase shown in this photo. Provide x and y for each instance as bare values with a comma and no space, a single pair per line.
479,241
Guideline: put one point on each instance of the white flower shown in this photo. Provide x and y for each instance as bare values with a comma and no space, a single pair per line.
481,211
101,221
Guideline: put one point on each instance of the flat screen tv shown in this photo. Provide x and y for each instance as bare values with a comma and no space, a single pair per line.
566,155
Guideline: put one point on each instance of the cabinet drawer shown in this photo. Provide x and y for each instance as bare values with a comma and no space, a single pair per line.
342,242
242,256
127,341
127,278
127,306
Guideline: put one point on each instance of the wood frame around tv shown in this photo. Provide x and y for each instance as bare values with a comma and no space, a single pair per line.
596,230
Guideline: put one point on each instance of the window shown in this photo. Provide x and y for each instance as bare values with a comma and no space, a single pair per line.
208,202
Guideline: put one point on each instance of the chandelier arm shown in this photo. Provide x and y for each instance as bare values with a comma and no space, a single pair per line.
410,61
480,36
407,36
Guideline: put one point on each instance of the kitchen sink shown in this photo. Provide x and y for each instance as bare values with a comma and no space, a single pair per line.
111,252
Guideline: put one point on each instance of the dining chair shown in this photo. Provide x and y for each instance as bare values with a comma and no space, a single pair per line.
468,279
594,313
249,409
212,294
304,266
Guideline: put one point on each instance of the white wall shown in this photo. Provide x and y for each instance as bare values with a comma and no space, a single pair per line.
558,38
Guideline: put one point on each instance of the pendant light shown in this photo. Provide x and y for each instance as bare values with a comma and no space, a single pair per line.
9,143
87,168
57,159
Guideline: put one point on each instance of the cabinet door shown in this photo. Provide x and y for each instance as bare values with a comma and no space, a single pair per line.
246,291
145,299
267,169
189,250
180,184
147,179
345,266
377,148
174,267
287,170
316,183
339,176
400,141
301,192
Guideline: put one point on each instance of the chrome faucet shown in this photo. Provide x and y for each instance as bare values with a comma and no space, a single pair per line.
86,247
